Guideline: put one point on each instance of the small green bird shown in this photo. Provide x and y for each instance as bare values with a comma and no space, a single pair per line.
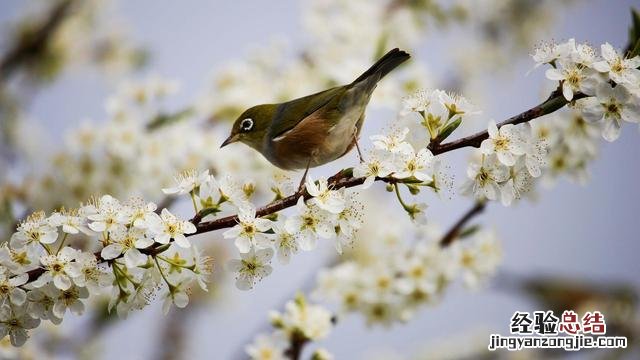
315,129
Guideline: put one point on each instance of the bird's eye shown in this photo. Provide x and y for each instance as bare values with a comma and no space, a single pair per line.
246,124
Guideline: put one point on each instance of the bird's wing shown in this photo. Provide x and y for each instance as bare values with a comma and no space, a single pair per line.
291,113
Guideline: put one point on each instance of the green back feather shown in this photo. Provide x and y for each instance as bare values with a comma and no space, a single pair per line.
289,114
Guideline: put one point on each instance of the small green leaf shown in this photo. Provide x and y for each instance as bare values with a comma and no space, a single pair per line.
348,172
633,45
272,217
469,231
208,211
164,119
449,129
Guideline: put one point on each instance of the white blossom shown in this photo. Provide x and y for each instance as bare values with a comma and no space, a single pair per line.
549,52
267,348
127,242
105,215
70,222
231,190
285,242
202,267
393,143
506,142
67,299
420,278
57,269
374,166
310,222
20,260
139,214
251,267
480,259
313,322
457,104
250,231
417,102
86,272
575,78
520,182
324,197
40,304
176,295
484,178
36,229
186,182
14,321
348,223
10,291
417,165
209,193
611,105
170,227
620,70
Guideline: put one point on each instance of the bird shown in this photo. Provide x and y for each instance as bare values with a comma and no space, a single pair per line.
316,129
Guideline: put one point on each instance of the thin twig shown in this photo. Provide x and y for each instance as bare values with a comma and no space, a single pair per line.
296,346
30,47
455,230
555,102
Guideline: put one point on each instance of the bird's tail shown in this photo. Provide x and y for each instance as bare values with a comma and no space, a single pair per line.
383,66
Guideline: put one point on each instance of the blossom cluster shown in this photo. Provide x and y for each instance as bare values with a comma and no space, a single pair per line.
122,155
514,156
610,80
43,275
398,157
328,214
511,158
390,286
395,158
301,322
573,143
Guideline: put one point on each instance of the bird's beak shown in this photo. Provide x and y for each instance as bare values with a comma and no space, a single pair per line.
232,138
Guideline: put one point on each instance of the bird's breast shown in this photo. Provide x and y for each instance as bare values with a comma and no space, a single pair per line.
316,140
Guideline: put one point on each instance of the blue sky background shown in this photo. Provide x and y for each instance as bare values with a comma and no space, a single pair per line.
589,232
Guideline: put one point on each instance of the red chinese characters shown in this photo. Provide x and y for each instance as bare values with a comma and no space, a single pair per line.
593,323
570,323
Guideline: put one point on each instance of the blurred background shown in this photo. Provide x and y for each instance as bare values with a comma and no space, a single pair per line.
191,67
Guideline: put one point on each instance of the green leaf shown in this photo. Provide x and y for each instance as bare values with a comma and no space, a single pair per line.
449,129
348,172
633,45
208,211
469,231
164,119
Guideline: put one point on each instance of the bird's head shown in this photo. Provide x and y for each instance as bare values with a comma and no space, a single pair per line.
251,127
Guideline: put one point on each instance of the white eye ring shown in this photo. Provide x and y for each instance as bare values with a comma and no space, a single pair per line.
246,124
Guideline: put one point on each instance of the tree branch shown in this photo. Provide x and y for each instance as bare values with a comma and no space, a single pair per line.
30,46
345,179
455,230
555,102
297,343
342,180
